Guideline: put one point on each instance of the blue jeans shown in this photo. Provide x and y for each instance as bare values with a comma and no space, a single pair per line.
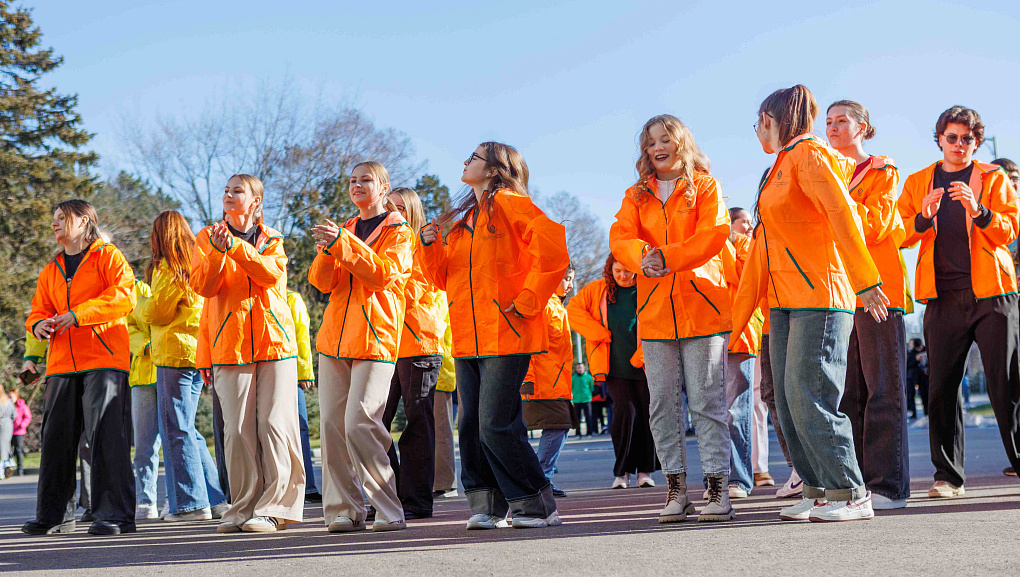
306,445
809,353
145,421
549,447
740,399
192,480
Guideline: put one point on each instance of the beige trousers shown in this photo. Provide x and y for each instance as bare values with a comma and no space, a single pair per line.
352,398
262,440
446,467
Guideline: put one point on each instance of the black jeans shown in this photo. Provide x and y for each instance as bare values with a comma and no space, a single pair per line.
18,444
414,381
499,469
629,429
875,373
221,454
768,396
952,322
98,403
584,410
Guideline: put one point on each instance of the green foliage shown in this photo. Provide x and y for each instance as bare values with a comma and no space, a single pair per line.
435,196
127,208
40,164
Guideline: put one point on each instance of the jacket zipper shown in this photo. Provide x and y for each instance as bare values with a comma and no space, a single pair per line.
68,279
223,324
251,320
347,307
471,286
672,284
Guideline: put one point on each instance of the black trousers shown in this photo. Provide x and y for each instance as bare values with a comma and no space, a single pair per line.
414,381
917,386
221,453
875,373
952,323
629,429
584,410
18,444
98,403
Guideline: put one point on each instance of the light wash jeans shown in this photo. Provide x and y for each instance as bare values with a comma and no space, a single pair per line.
809,352
145,421
192,481
740,403
700,365
549,447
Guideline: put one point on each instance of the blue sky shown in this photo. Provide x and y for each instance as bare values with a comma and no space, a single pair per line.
568,83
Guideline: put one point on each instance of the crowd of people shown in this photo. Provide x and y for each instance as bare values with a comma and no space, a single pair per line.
715,314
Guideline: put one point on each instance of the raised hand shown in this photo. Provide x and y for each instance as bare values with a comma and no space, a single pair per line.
325,234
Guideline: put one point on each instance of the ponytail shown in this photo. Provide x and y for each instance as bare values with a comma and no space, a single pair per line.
793,109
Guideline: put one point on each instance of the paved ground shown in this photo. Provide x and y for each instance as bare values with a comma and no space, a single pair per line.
605,532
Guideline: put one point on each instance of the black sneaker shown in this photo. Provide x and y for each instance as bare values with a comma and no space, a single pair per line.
558,492
37,528
111,528
369,513
313,497
87,516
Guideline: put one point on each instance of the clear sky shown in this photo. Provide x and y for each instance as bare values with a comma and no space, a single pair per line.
567,83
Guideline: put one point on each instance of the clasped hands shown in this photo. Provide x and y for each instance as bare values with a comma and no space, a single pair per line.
653,264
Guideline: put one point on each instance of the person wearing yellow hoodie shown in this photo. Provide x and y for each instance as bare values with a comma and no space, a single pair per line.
965,214
145,422
363,266
80,304
306,380
246,350
173,313
672,226
546,391
810,258
419,361
876,371
499,264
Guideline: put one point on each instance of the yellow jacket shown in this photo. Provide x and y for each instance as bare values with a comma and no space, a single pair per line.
447,373
173,312
35,350
304,341
143,370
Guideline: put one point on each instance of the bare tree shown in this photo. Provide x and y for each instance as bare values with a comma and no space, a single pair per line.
587,239
293,147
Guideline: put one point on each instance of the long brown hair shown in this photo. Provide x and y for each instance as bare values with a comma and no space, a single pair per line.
692,159
412,204
607,274
172,242
253,184
77,208
793,109
511,173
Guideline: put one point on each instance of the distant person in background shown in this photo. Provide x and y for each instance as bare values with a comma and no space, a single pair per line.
145,420
965,214
917,377
1013,172
306,380
581,387
22,418
7,414
444,411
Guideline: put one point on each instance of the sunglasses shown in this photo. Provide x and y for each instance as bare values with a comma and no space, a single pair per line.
475,155
966,140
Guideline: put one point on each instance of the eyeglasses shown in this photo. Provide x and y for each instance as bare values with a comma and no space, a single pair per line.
475,155
966,140
755,125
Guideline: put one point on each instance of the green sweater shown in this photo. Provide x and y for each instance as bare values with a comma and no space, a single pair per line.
581,386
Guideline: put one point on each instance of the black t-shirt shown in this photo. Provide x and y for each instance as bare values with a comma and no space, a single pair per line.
71,263
364,227
250,237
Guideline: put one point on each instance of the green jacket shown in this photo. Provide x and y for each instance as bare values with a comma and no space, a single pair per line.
581,386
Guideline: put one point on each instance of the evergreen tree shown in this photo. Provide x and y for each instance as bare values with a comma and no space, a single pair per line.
41,163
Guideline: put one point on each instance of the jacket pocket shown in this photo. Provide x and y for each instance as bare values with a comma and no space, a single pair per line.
101,341
223,324
704,296
279,324
369,321
506,318
800,270
996,259
647,299
428,368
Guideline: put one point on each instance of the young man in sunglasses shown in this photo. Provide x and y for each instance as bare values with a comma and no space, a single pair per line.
964,213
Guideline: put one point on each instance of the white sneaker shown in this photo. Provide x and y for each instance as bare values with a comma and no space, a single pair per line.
381,524
737,492
481,521
203,514
263,525
883,503
227,527
644,480
146,512
844,511
344,524
450,494
622,482
537,522
793,487
802,510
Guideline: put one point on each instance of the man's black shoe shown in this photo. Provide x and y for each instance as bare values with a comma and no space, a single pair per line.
417,514
313,497
87,516
111,528
37,528
558,492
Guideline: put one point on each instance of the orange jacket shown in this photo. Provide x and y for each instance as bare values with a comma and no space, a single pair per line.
874,191
365,282
809,252
588,315
734,257
246,318
100,296
512,255
550,371
690,230
991,266
424,322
